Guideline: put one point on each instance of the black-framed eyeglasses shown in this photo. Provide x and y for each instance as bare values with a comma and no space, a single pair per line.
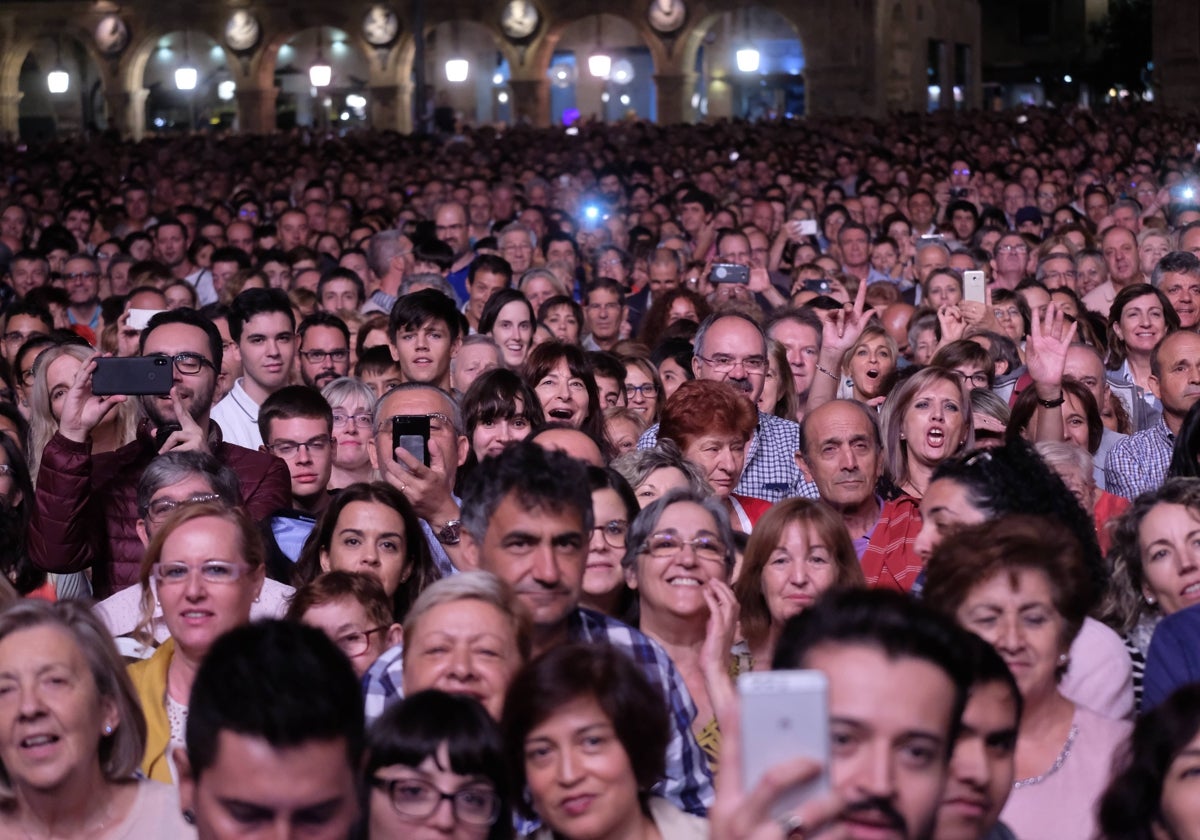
288,448
356,643
419,799
362,421
315,357
614,532
646,391
189,364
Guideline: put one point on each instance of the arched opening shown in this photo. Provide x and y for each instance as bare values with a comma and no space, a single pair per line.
187,76
474,92
584,86
750,64
311,97
61,90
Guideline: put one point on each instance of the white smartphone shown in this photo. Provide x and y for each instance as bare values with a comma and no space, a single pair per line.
140,318
784,715
974,285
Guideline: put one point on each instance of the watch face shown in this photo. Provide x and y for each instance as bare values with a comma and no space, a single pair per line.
666,15
242,30
380,26
112,35
519,19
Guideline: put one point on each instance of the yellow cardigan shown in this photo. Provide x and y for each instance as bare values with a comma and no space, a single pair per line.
150,682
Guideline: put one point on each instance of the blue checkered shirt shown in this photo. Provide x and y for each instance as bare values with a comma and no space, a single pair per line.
687,783
1139,462
770,472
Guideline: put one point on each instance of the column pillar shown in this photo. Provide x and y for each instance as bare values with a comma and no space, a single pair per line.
127,111
256,109
531,101
391,107
674,94
10,115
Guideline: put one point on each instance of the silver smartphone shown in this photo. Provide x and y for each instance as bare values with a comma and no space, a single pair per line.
784,715
974,286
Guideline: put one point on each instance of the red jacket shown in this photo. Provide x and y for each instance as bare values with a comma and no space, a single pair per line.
86,512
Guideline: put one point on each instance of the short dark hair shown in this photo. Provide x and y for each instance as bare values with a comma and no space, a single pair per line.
342,273
540,478
293,401
285,683
1004,546
1131,806
417,727
491,263
888,621
321,318
191,318
415,309
253,302
604,284
635,706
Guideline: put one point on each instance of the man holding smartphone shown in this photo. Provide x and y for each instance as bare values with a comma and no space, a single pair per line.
898,683
86,512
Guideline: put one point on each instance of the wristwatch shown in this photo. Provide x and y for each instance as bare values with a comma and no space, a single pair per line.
450,533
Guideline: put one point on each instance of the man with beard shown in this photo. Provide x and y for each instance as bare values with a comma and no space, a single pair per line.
732,348
324,349
898,683
86,511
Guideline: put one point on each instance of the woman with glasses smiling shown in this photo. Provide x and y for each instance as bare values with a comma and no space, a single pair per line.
679,559
207,561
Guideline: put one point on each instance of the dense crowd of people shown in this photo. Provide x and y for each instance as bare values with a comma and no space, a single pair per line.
458,487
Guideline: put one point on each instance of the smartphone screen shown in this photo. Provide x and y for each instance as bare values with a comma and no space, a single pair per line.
410,432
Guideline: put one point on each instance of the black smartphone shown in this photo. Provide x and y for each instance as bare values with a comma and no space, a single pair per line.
410,432
134,376
729,273
163,432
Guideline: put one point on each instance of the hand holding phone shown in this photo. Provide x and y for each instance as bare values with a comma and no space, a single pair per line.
410,432
784,715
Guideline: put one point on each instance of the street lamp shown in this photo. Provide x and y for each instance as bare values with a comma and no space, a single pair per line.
320,74
58,80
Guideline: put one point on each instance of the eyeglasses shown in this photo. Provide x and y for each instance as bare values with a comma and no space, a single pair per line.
19,337
977,380
362,421
721,363
189,364
614,532
315,357
214,571
286,449
159,508
666,546
419,799
356,644
645,391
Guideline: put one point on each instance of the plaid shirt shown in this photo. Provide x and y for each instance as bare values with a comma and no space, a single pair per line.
687,783
1139,462
770,472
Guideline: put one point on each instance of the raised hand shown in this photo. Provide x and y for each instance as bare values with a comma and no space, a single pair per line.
83,411
1047,345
